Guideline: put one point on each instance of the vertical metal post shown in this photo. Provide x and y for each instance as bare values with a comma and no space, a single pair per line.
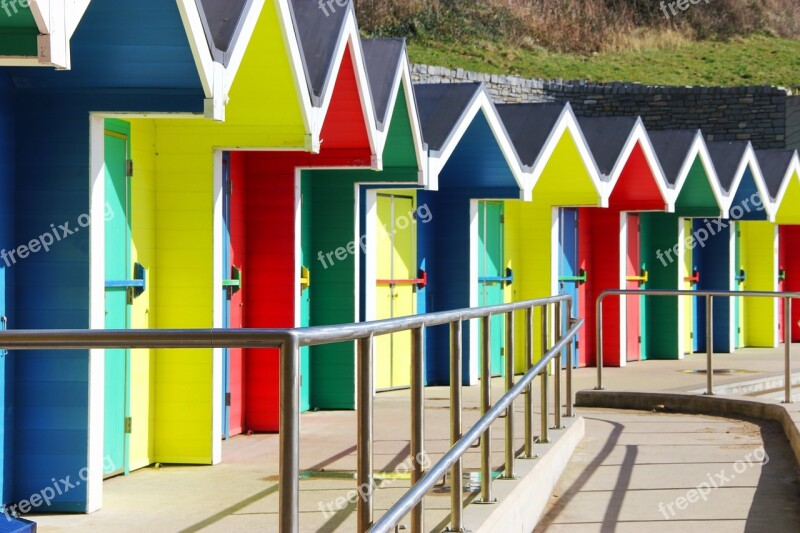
557,366
509,469
529,391
570,404
417,420
456,475
787,339
599,335
544,436
364,476
486,399
289,448
710,345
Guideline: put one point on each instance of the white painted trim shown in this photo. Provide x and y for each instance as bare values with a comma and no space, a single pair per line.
639,136
298,244
700,149
291,40
480,103
474,297
555,243
568,122
216,290
97,275
236,55
775,268
371,260
792,170
198,42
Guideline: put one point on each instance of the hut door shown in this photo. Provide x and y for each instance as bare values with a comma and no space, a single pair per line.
118,298
688,284
396,289
741,276
634,275
570,275
233,296
492,276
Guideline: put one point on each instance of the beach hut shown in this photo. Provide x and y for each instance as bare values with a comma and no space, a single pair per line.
670,330
541,237
732,256
60,397
781,170
609,239
473,167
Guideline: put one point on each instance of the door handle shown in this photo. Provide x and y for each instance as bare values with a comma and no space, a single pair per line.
694,278
506,280
580,279
782,274
305,278
421,282
234,284
135,287
642,279
741,277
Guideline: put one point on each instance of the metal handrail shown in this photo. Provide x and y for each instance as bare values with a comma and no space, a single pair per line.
289,341
787,297
437,471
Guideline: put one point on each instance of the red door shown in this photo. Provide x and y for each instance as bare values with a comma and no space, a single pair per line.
789,273
236,197
634,265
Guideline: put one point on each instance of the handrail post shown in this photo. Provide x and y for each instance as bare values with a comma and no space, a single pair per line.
570,412
289,438
509,468
529,391
710,345
544,437
456,475
557,374
599,338
417,420
787,339
365,433
486,400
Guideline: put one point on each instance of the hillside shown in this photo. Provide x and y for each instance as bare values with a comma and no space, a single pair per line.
723,42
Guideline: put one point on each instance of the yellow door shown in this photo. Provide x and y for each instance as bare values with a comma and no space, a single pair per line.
687,302
396,289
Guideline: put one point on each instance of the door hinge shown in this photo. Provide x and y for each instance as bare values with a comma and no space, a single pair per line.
502,352
129,168
640,339
227,399
129,294
577,344
128,424
691,335
739,330
229,187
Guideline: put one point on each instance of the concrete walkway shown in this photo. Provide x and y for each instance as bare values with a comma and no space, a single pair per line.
241,493
663,472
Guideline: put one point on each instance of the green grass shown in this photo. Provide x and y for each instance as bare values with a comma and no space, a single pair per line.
756,60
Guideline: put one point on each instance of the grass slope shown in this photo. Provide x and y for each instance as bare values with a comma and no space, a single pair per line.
755,60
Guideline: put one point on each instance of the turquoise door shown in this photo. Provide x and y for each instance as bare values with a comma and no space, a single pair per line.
117,299
491,272
570,276
305,290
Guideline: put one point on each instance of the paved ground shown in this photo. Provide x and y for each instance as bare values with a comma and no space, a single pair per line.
241,494
640,472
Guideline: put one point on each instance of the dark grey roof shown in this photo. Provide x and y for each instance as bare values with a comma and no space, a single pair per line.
441,105
606,137
382,57
727,156
774,165
318,32
672,148
222,22
529,126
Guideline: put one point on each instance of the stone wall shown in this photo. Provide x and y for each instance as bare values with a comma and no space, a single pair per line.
767,116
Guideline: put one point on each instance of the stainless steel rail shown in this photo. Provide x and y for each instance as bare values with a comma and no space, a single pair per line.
289,342
787,297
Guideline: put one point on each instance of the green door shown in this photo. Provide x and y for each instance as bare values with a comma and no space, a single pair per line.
491,273
117,262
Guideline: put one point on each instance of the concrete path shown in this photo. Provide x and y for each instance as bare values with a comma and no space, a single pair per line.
663,472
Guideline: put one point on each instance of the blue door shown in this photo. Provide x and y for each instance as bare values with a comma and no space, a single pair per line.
570,276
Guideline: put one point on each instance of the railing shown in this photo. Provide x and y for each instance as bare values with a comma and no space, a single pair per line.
290,341
787,297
